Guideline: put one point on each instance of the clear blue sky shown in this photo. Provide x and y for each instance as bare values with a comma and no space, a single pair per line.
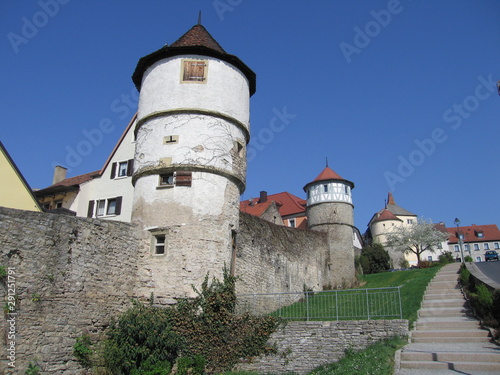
397,94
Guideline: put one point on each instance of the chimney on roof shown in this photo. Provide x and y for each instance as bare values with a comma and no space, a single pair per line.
59,174
263,196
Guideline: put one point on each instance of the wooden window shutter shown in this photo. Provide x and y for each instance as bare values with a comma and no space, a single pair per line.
130,167
183,178
118,207
113,170
194,70
90,211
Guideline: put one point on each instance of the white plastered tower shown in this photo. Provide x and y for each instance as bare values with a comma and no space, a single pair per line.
190,160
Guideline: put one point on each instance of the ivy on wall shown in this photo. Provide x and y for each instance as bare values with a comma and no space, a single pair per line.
204,331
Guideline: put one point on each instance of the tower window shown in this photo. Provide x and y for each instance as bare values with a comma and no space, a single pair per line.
178,178
194,71
167,179
325,188
159,244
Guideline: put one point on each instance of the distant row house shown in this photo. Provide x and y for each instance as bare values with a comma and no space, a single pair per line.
473,240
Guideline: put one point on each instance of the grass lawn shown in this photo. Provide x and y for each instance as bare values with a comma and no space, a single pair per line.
412,282
378,359
366,303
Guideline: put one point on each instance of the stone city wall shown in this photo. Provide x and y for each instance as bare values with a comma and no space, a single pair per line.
273,259
302,346
67,276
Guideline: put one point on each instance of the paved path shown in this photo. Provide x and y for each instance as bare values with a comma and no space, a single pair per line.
446,339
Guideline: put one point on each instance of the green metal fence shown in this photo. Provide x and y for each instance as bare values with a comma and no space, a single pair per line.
350,304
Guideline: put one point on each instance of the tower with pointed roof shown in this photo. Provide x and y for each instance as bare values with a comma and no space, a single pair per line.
385,220
190,161
330,209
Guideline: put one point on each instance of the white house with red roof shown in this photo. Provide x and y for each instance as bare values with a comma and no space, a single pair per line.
106,193
473,240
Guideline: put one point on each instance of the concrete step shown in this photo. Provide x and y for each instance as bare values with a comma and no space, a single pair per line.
443,312
443,294
451,333
455,366
450,357
444,325
449,340
436,285
438,303
446,277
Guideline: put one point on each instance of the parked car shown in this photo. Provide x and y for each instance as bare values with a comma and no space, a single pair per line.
490,255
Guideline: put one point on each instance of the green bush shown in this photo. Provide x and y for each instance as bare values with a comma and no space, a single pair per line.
150,367
148,340
464,276
374,259
468,259
143,337
82,351
191,365
446,257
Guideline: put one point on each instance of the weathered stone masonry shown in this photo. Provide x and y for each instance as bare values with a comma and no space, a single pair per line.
71,276
302,346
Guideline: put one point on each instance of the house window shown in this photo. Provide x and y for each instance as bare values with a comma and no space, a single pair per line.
122,169
461,236
58,204
194,70
457,248
46,206
291,223
429,258
478,259
486,246
440,246
467,247
159,244
100,207
111,207
409,221
476,246
480,234
104,207
496,245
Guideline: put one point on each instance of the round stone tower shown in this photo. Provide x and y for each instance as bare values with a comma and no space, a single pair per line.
330,209
190,160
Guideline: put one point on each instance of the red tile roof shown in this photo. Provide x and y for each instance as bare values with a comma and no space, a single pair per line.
386,215
490,233
288,204
198,36
70,183
328,174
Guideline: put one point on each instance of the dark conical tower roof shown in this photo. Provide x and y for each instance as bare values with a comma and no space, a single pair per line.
196,41
198,36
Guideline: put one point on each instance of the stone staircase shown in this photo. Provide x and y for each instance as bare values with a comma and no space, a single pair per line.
446,336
